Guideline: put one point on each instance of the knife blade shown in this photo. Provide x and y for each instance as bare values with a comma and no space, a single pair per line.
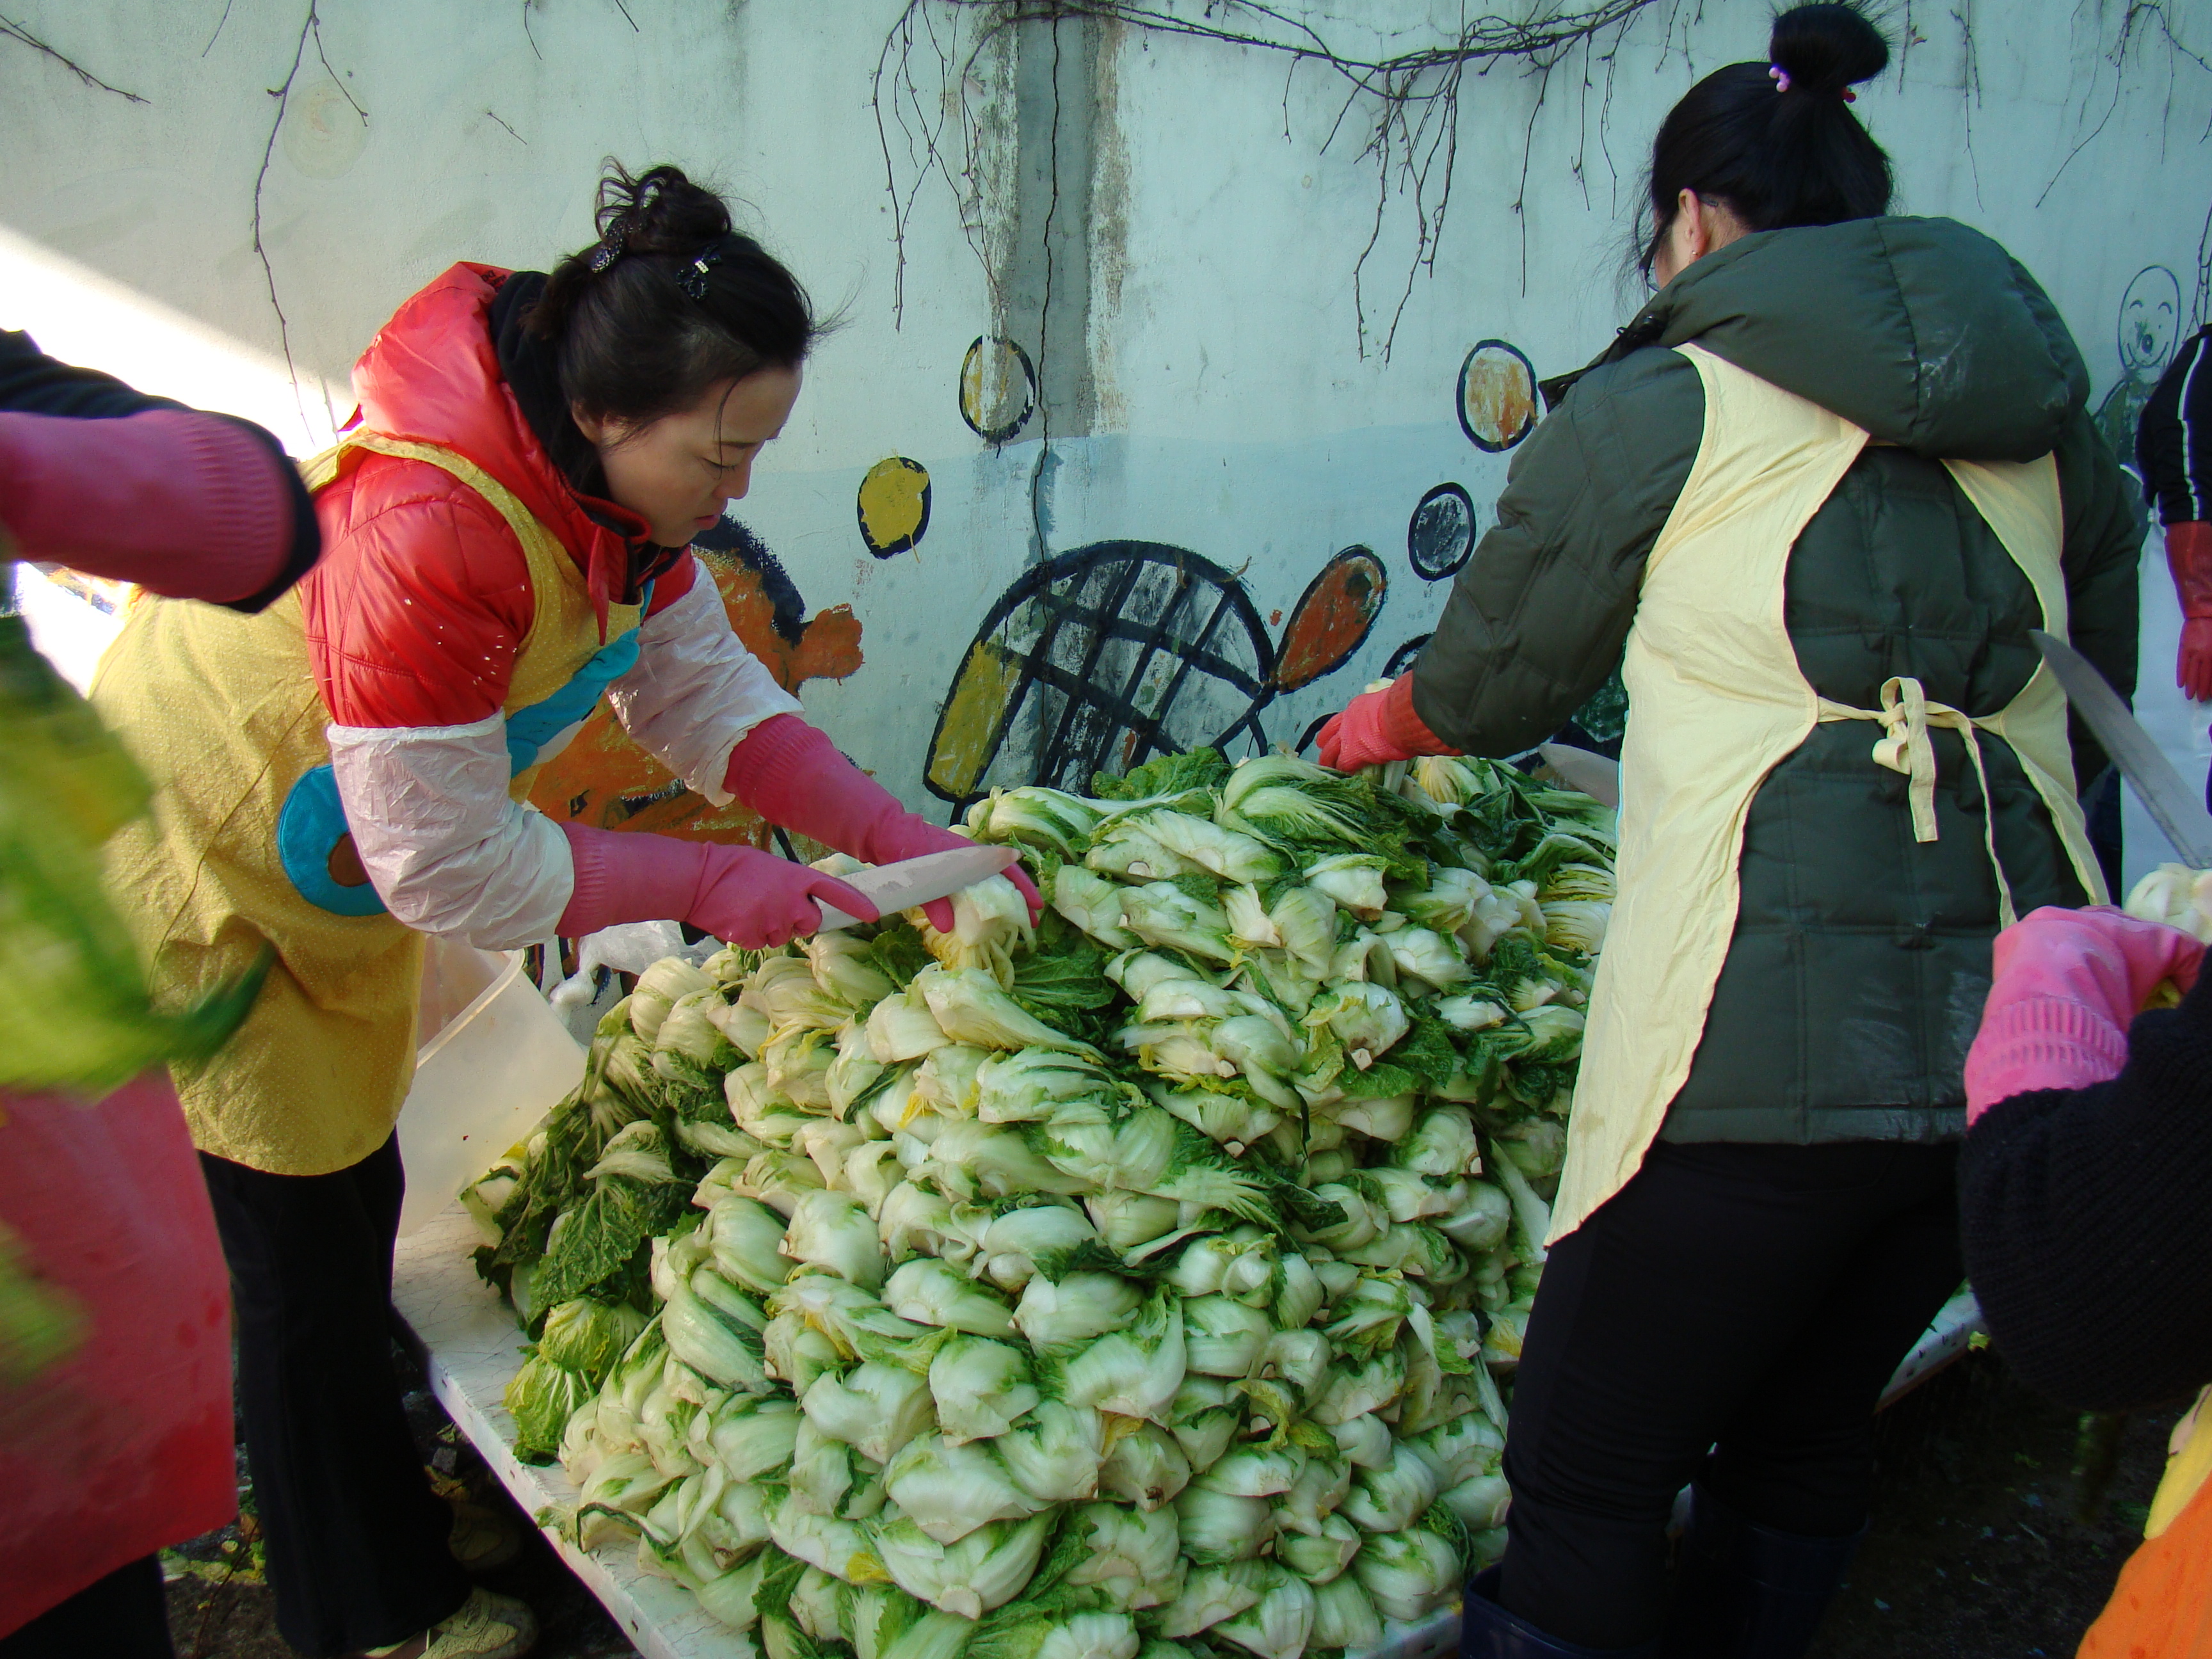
900,886
1578,768
2156,784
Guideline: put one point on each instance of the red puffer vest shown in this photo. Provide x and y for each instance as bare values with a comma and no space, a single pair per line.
423,597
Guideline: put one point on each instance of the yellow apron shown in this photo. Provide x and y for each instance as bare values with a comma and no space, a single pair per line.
1717,700
224,713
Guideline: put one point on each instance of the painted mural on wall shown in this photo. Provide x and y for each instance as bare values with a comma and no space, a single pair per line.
603,779
1124,649
2149,328
1094,659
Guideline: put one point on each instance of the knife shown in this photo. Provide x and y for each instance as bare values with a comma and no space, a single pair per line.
2156,784
900,886
1578,768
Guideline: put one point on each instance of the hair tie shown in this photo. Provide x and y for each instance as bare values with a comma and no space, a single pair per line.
1780,77
608,250
693,278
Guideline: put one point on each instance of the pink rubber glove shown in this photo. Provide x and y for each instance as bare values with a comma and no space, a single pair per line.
2066,985
790,773
186,505
740,895
1377,727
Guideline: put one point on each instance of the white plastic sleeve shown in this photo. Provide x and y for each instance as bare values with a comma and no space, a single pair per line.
448,851
696,690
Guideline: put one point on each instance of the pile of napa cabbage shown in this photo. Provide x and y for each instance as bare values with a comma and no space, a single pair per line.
1142,1282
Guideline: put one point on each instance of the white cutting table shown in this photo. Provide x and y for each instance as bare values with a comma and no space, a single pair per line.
474,1347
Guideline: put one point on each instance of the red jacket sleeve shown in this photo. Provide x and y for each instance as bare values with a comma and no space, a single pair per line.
421,601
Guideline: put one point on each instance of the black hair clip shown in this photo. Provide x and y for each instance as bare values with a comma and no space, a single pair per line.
608,250
694,277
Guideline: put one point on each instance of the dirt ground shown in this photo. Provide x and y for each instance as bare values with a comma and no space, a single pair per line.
1979,1549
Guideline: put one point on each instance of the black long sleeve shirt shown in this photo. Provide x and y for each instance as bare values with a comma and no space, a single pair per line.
2173,435
2087,1219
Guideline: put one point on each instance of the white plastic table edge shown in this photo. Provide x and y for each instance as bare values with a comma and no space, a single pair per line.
474,1346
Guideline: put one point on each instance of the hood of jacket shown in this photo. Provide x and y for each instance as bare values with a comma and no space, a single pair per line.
432,375
1925,331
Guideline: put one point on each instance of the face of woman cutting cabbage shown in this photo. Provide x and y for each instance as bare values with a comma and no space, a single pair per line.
677,472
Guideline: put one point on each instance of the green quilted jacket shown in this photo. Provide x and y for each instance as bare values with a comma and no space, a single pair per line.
1861,958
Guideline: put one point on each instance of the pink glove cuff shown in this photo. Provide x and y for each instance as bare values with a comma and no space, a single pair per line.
185,504
2041,1042
634,877
790,773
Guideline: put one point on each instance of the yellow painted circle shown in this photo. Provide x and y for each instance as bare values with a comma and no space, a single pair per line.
894,506
998,388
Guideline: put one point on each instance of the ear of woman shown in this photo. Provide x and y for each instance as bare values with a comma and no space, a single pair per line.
1701,224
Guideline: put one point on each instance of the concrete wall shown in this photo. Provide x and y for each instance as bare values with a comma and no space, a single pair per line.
1211,496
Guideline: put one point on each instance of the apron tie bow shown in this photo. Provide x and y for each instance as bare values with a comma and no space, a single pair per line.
1905,716
1905,711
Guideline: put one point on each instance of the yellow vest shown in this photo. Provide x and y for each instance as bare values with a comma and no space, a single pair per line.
1717,700
224,713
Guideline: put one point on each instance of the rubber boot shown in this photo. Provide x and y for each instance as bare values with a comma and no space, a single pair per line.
1745,1591
1486,1630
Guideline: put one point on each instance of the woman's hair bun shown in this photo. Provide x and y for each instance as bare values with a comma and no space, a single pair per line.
671,301
1827,47
659,210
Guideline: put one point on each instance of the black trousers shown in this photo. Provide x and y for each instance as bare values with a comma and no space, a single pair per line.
125,1615
357,1540
1729,1316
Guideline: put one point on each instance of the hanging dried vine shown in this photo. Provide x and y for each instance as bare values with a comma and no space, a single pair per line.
2141,22
310,29
1411,102
11,30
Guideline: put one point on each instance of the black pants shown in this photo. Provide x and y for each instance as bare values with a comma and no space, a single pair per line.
357,1539
1730,1316
125,1615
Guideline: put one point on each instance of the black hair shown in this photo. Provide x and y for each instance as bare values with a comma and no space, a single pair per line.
670,301
1777,142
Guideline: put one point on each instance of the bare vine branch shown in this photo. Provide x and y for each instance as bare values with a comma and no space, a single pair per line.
2137,24
1413,140
310,28
12,30
217,35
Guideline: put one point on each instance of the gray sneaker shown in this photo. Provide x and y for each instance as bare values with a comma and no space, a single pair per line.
487,1626
483,1540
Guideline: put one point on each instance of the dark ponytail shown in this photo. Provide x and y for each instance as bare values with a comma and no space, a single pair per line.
670,301
1777,142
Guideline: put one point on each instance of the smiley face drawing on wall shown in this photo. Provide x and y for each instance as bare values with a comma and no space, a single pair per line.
2150,327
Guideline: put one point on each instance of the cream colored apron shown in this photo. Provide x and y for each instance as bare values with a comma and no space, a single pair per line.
1717,700
224,713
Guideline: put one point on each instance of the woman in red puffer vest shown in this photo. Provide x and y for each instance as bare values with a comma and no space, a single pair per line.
509,533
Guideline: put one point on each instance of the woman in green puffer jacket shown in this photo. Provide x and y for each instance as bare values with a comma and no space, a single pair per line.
1810,502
